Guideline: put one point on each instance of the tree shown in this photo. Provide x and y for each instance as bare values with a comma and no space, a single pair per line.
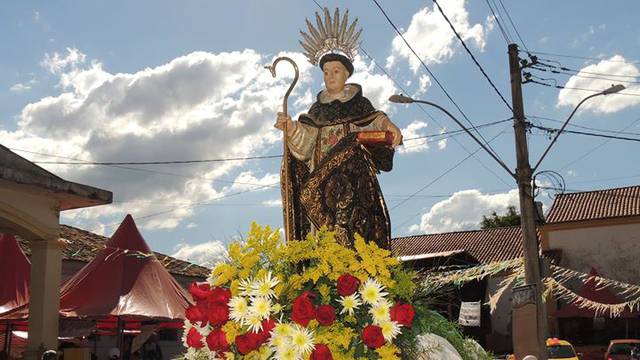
511,218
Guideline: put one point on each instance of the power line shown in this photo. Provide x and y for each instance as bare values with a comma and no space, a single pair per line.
578,74
575,88
555,130
581,57
432,74
592,150
502,30
484,73
585,127
513,25
509,35
443,174
171,162
456,132
564,68
141,170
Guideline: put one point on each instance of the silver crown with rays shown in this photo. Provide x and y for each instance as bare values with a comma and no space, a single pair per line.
329,36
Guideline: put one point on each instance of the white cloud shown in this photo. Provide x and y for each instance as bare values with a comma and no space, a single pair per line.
197,106
191,225
585,79
56,62
272,203
432,38
36,16
463,211
19,87
424,85
205,254
412,131
246,181
375,87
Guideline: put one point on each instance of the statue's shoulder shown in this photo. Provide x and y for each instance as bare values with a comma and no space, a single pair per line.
332,110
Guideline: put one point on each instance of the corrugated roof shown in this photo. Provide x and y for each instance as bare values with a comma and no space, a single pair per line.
593,205
83,246
486,246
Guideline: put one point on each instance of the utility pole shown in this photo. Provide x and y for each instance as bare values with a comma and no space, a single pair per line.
527,207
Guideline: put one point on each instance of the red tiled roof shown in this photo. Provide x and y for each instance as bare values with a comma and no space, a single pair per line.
593,205
82,245
486,246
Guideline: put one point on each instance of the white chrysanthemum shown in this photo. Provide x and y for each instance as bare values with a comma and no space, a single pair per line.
349,303
288,353
239,309
390,329
254,322
191,354
260,307
380,311
245,287
302,340
265,287
372,291
282,330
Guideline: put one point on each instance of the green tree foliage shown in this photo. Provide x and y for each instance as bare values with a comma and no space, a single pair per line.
511,218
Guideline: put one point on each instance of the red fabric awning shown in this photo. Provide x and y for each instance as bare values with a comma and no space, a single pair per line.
591,291
16,272
125,279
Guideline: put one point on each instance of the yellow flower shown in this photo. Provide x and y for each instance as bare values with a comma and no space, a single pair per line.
390,329
231,330
388,352
349,304
372,292
380,311
302,340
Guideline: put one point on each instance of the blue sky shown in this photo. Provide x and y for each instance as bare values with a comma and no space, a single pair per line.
164,80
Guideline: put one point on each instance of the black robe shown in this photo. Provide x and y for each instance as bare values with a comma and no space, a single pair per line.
342,192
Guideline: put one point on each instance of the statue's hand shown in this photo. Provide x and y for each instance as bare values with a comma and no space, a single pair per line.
281,120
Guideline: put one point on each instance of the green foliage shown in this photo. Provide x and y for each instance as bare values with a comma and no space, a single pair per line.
511,218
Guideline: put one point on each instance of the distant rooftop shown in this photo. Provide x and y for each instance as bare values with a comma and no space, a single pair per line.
595,205
486,246
83,246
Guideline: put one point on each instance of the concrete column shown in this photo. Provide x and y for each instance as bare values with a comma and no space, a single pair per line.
44,301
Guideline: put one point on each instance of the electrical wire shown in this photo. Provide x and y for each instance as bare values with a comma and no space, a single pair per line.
578,74
542,62
585,127
139,169
443,174
393,25
466,48
575,88
580,57
169,162
555,130
513,25
502,30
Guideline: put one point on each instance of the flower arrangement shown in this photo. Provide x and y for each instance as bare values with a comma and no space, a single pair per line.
311,299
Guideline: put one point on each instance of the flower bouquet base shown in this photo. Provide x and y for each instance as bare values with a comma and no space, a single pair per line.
316,299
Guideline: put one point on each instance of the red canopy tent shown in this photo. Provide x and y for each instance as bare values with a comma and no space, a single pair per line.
591,291
14,289
124,283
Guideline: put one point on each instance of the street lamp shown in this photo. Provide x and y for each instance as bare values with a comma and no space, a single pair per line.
612,90
402,99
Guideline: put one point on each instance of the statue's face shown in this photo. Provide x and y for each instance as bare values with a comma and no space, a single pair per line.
335,76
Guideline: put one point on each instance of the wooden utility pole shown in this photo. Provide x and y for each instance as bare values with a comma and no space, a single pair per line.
527,207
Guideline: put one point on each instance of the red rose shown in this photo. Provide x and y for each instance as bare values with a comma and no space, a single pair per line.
217,341
325,314
195,314
321,352
199,291
265,333
247,342
219,295
403,314
303,310
347,285
217,314
372,336
194,338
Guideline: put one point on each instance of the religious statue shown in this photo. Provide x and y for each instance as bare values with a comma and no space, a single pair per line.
336,149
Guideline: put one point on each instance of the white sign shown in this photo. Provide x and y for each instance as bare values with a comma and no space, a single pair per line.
469,313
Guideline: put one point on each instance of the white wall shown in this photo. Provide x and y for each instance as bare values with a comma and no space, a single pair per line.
614,251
